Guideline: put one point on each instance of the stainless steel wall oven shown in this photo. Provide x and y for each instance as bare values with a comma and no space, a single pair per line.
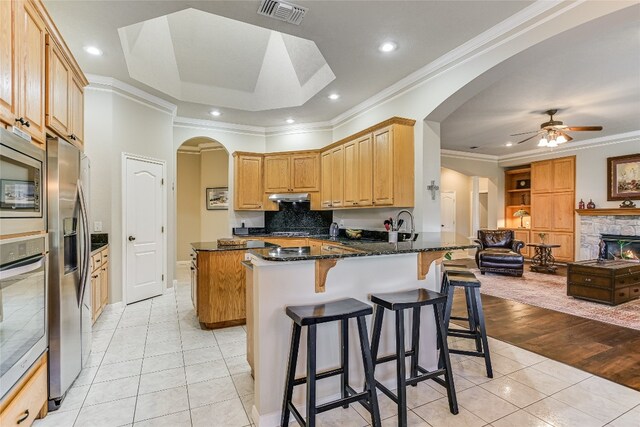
23,306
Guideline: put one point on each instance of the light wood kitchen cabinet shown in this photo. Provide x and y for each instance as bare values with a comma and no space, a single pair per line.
31,70
220,288
76,116
248,190
99,281
564,174
383,167
58,77
326,180
542,176
286,173
27,400
566,241
542,211
351,173
8,63
358,175
337,177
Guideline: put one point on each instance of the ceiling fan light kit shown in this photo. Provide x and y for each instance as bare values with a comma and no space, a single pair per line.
553,132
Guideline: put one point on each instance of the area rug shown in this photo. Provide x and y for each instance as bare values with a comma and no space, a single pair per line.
550,291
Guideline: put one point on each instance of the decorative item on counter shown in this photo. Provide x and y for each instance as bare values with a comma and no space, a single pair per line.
230,241
591,205
353,234
542,236
627,204
393,237
333,229
602,252
387,224
581,205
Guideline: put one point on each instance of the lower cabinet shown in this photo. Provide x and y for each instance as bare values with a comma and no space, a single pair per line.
219,289
566,240
99,281
28,400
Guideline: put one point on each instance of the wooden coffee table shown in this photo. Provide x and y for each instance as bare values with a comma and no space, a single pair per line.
611,282
543,260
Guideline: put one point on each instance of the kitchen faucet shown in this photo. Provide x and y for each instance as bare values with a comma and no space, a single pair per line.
413,230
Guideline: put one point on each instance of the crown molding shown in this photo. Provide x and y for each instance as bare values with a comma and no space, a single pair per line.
298,129
103,82
450,58
187,122
620,138
454,154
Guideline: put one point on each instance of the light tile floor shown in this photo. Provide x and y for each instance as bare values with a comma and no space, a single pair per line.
152,365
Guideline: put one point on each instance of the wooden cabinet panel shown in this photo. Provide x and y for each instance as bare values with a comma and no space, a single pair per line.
563,211
32,70
566,242
523,235
305,172
542,176
248,193
104,284
383,167
96,299
76,116
542,211
8,63
26,406
351,174
564,174
365,171
337,177
325,179
58,79
277,174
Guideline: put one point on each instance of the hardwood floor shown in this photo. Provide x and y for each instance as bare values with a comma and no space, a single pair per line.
605,350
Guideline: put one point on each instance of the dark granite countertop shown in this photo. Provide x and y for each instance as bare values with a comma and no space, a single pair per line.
213,246
427,242
98,246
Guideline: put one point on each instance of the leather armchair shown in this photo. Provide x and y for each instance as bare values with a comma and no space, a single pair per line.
499,252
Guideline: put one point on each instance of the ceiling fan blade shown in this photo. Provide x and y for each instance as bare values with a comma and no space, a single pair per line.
525,140
524,133
583,128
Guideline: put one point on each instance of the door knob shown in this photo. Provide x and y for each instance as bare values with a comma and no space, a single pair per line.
131,238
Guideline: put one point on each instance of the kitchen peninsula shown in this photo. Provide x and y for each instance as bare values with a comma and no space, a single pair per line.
313,275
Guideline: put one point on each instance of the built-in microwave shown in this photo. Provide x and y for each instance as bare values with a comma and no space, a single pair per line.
22,204
23,306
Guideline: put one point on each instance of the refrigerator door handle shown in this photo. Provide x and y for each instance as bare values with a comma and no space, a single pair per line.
86,249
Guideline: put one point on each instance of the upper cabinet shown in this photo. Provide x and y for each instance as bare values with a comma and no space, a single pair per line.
287,173
8,63
374,167
38,74
248,192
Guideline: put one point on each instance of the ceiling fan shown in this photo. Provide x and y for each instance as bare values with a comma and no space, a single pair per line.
554,132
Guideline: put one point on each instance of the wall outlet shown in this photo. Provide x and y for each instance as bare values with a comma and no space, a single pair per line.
97,226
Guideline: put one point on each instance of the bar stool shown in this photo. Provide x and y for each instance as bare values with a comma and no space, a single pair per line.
414,300
310,316
475,315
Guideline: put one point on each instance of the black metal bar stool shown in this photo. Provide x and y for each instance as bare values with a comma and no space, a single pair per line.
311,316
475,315
414,300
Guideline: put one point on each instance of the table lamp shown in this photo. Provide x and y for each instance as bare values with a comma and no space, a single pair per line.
521,213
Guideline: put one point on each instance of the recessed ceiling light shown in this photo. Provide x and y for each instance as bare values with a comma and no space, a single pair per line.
509,144
334,96
290,121
92,50
387,47
215,113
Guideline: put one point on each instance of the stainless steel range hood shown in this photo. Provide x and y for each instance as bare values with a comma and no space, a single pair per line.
289,197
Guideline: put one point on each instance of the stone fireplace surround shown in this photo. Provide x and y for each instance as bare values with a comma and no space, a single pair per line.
591,227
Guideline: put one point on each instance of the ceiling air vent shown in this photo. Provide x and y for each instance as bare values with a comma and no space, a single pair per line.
283,11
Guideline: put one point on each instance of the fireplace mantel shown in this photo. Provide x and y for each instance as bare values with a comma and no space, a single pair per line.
609,212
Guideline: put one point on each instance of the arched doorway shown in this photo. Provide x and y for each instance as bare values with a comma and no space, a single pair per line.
202,182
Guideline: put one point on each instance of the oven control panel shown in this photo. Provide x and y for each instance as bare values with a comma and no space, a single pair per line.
23,248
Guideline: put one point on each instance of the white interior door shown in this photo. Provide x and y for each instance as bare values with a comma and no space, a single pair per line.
144,217
448,211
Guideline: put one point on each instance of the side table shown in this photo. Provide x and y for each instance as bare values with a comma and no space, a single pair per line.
543,261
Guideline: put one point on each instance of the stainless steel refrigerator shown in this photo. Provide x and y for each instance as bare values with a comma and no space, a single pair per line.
69,261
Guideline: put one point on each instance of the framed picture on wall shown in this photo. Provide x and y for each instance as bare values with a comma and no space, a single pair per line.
217,198
623,177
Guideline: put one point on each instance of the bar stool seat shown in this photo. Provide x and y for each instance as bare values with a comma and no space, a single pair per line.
310,316
346,308
397,302
407,299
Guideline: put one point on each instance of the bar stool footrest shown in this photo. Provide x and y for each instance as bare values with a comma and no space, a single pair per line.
392,357
467,352
320,376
